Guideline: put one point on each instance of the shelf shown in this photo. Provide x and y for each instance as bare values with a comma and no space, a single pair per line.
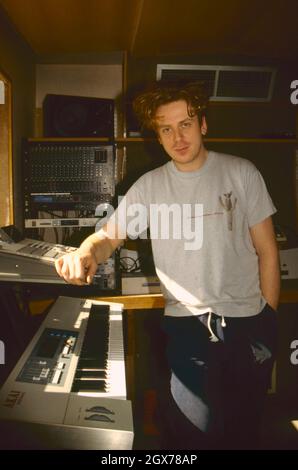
288,295
248,140
69,139
123,140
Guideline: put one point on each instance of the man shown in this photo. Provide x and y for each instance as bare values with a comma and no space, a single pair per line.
221,289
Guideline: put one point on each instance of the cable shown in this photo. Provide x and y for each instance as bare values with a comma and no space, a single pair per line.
135,264
52,213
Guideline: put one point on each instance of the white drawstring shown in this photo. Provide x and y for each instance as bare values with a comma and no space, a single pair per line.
213,338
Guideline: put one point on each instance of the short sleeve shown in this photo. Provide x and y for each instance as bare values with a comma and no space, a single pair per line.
259,203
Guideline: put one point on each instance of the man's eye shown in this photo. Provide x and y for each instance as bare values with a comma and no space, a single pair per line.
166,130
186,124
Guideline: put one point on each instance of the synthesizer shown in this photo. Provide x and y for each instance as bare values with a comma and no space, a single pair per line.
29,260
68,389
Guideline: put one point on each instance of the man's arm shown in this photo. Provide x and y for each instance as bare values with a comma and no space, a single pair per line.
80,266
264,241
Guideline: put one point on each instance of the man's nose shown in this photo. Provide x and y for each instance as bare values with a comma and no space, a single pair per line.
178,134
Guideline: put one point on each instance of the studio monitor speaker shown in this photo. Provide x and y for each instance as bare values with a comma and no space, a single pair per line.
77,116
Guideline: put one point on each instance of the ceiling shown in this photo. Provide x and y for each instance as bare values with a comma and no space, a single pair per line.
256,28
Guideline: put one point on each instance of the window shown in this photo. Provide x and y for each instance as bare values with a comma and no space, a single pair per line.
6,196
225,83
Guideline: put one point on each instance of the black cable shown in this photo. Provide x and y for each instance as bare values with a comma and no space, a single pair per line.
52,213
134,267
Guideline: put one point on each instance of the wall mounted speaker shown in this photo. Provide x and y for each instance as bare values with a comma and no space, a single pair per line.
77,116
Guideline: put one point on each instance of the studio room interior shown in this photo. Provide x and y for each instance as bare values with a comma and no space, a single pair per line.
181,336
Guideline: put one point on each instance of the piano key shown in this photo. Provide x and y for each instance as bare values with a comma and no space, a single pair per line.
101,369
94,351
95,374
93,363
89,385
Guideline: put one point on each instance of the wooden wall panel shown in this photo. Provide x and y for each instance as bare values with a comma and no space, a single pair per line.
6,205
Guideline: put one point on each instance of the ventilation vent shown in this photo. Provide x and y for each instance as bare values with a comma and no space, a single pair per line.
225,83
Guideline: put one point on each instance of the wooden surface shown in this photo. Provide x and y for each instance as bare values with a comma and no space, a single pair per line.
155,28
6,197
138,302
289,294
246,140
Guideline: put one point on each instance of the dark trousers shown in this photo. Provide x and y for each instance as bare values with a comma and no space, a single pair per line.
230,378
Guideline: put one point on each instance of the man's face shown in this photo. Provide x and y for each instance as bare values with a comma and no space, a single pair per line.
181,135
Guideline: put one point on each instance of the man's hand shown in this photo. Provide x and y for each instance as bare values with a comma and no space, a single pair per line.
77,267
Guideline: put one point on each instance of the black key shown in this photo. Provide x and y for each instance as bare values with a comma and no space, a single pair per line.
90,363
88,385
93,374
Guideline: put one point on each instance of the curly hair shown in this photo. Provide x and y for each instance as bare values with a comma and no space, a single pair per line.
163,92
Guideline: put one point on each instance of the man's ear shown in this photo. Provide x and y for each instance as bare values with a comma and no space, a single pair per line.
204,126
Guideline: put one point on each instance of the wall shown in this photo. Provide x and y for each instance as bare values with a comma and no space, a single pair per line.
101,81
17,61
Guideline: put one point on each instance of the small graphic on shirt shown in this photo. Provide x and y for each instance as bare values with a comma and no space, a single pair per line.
229,204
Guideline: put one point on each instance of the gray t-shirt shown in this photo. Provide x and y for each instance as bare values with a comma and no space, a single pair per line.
204,256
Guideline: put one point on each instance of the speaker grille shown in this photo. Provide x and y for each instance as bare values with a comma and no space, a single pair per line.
78,116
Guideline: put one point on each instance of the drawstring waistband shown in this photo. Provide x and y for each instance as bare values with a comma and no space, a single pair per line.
213,337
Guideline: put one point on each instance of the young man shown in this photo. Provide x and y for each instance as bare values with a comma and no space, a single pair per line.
221,285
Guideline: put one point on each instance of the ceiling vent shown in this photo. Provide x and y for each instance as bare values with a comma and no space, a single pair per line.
225,83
